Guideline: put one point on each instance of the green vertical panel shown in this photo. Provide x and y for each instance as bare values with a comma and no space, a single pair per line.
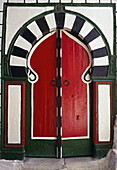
36,147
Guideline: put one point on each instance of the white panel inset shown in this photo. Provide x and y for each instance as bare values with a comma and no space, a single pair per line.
0,73
92,1
86,29
23,43
17,16
0,85
97,43
0,57
51,21
78,1
101,61
14,114
105,1
16,1
17,61
33,27
30,1
0,43
42,1
69,21
2,4
65,1
54,1
116,18
1,13
104,112
0,30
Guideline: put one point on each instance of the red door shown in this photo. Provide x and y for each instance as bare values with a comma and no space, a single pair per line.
75,97
75,60
43,62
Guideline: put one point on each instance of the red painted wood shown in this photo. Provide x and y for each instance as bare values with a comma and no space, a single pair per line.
43,62
22,114
75,60
95,112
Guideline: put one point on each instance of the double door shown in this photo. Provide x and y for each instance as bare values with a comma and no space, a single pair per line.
58,114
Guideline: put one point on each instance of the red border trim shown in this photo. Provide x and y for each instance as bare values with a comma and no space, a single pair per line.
22,114
95,109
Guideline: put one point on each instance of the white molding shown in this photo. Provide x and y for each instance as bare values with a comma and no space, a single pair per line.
101,61
50,18
104,112
33,27
14,114
97,43
87,27
69,21
22,43
17,61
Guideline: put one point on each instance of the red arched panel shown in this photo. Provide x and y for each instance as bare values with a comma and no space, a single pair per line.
43,62
75,60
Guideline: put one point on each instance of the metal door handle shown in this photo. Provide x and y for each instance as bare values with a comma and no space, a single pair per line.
53,82
66,83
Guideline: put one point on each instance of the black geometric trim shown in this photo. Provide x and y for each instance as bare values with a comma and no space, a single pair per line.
28,35
42,24
58,62
59,144
59,122
100,71
101,52
60,19
18,71
19,52
58,101
91,36
78,24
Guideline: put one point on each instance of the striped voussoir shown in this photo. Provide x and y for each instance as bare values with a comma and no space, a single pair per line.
74,24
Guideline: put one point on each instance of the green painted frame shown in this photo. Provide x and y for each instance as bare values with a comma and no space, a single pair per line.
18,153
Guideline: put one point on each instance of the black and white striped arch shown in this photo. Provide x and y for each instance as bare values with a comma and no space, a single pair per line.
75,25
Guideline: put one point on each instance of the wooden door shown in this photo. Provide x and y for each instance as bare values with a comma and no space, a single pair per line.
75,97
42,138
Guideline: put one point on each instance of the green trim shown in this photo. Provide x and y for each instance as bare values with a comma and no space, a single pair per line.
2,114
20,116
35,148
62,4
18,152
101,151
77,147
110,78
114,27
12,155
12,152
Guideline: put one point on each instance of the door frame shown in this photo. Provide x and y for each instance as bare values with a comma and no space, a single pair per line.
9,74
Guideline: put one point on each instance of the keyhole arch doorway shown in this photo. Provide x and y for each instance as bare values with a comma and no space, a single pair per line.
77,25
42,129
35,30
